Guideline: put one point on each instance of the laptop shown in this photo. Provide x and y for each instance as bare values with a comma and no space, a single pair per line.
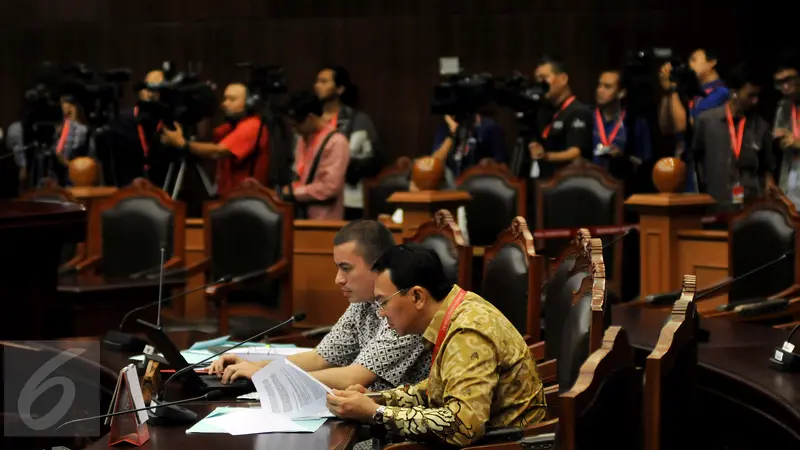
197,381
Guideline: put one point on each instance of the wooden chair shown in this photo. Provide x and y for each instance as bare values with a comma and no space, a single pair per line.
604,399
51,191
670,378
762,241
130,228
512,279
394,178
601,199
249,236
443,235
497,198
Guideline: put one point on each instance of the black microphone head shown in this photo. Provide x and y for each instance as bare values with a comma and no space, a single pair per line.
299,317
214,395
225,279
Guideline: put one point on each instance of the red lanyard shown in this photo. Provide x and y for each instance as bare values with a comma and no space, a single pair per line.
460,295
601,128
795,122
140,129
736,135
62,141
546,131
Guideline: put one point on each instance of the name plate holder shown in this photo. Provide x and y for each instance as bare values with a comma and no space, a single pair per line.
128,428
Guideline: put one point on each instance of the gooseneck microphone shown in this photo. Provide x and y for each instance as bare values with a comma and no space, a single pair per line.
210,396
299,317
117,340
619,238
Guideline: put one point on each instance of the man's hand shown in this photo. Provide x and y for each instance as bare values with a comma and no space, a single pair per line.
244,369
220,363
173,138
786,138
663,77
452,125
615,151
537,151
351,405
357,388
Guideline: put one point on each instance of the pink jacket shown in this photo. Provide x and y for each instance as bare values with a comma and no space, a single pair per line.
329,179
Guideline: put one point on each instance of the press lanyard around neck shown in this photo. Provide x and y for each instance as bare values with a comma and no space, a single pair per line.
601,128
460,295
737,135
567,102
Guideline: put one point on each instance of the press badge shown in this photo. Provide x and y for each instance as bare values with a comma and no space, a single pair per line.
738,193
601,150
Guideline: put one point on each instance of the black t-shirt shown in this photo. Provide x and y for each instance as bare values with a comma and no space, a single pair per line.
128,155
569,125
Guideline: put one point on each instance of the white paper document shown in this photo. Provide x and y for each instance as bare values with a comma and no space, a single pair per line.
239,421
266,353
283,388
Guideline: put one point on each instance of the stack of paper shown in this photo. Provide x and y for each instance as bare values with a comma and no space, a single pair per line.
266,353
239,421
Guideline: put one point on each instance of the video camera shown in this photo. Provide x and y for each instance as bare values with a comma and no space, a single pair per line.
644,63
460,95
183,98
97,92
264,80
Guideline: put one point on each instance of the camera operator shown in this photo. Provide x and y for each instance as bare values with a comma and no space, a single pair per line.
787,127
734,145
338,95
321,158
240,146
486,140
564,129
621,143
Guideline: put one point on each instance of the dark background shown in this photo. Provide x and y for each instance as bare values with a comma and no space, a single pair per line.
391,47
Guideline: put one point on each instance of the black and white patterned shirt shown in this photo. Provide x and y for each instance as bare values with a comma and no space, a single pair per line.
361,337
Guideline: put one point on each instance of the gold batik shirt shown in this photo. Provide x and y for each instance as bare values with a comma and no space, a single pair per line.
484,376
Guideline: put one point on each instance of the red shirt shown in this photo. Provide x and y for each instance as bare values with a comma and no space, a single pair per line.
242,164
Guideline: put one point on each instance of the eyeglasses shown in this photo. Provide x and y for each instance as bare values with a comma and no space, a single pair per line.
381,304
785,80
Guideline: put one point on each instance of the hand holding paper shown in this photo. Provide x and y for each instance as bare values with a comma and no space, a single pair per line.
284,388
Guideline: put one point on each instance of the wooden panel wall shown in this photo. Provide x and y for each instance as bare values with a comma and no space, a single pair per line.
391,47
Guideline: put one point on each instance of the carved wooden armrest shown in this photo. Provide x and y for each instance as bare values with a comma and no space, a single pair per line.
87,264
189,271
792,291
537,350
548,371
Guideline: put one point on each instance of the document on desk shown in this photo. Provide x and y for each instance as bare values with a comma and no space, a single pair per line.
267,353
239,421
285,389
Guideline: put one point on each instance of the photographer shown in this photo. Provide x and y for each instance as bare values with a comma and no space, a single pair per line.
786,129
564,129
240,146
485,139
338,95
734,144
321,158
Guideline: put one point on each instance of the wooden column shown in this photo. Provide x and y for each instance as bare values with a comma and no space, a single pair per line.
419,207
661,217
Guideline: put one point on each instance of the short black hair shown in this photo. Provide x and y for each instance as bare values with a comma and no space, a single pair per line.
371,237
301,104
557,63
622,82
711,53
341,78
743,74
412,265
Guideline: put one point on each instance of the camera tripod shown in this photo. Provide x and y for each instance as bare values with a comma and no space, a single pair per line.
176,179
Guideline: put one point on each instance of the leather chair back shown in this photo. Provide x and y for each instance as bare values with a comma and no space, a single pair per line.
134,231
444,236
497,197
757,237
390,180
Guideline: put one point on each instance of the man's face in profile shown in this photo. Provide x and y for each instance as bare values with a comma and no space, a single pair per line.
354,275
233,101
786,81
748,96
700,63
325,87
556,81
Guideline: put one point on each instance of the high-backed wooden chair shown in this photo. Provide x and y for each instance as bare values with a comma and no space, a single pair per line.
762,243
249,236
670,379
51,191
604,401
497,198
512,278
394,178
582,194
131,227
443,235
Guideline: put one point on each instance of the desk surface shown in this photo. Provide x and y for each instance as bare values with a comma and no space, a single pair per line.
733,366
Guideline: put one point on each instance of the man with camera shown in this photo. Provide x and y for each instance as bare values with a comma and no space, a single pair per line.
481,139
786,129
240,146
733,144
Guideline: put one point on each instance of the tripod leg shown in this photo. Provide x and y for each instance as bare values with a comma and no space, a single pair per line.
179,180
169,176
211,189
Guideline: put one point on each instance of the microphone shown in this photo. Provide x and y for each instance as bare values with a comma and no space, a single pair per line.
14,152
619,238
153,411
299,317
160,287
117,340
785,359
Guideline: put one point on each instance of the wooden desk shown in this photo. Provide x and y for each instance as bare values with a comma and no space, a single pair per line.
742,402
334,434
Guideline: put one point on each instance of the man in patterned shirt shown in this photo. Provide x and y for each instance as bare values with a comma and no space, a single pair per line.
482,373
360,348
